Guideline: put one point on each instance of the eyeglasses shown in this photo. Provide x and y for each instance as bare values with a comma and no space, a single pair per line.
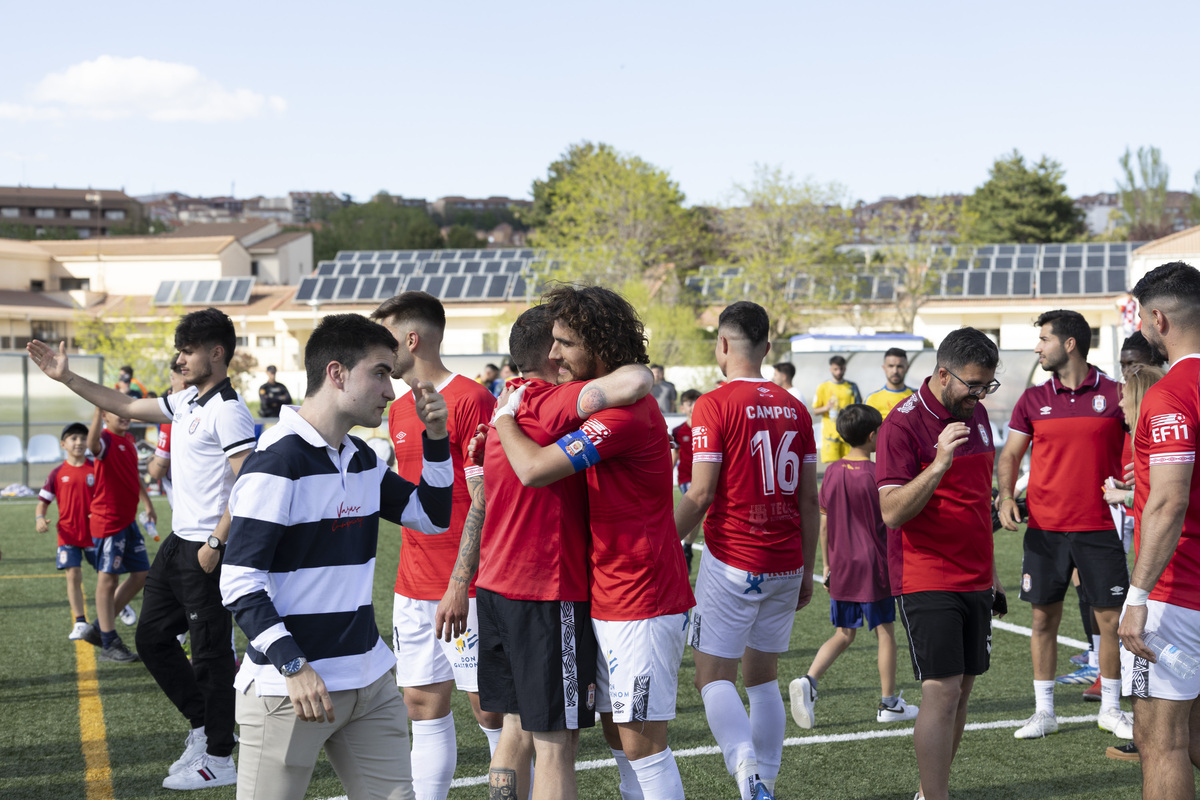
977,389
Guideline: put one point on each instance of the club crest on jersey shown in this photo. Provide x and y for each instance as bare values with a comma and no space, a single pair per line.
574,448
195,424
91,479
1098,403
908,405
983,434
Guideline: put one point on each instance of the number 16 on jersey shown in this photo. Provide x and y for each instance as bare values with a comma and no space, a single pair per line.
779,466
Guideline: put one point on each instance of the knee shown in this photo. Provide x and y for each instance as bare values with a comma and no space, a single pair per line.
847,635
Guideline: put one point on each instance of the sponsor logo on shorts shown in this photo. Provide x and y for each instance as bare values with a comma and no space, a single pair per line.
467,641
754,581
1026,582
1098,403
1117,591
1046,410
62,557
591,697
612,662
1141,677
641,698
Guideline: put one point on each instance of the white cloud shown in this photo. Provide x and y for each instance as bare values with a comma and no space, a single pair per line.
112,87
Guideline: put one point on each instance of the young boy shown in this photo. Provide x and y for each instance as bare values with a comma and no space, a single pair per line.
71,483
118,540
856,568
681,456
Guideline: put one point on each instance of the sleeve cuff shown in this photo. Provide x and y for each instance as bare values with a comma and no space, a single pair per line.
435,449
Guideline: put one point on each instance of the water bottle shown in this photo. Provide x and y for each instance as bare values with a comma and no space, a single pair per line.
1171,656
144,519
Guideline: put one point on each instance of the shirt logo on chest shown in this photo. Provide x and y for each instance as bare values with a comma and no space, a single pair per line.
1098,403
1046,411
91,480
400,437
195,424
983,433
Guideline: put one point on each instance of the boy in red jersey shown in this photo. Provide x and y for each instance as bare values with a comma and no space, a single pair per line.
71,484
435,629
933,468
640,595
755,473
1164,590
855,568
113,522
681,455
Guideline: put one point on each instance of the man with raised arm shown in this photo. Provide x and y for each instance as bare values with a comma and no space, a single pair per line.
215,433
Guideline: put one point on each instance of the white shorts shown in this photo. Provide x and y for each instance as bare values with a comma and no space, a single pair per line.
1181,627
637,666
422,659
736,609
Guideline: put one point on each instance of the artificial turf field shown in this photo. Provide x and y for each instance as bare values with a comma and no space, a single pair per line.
131,733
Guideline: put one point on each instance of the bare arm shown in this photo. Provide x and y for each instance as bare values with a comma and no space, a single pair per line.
452,610
899,504
207,556
622,387
39,516
94,430
1006,478
691,508
158,468
533,464
55,365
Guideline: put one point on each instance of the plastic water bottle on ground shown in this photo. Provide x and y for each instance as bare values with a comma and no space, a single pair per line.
150,527
1170,656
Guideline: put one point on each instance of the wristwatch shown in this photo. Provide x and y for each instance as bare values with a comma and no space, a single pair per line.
215,543
292,667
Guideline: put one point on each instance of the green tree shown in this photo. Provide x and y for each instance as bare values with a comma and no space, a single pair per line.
613,216
544,190
147,345
378,225
462,236
1025,204
784,235
1142,192
29,233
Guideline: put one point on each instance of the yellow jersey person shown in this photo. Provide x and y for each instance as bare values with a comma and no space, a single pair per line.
832,395
894,392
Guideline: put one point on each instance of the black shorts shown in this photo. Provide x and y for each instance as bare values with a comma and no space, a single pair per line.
949,633
1051,556
537,658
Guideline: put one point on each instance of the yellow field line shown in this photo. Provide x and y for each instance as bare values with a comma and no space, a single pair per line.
92,734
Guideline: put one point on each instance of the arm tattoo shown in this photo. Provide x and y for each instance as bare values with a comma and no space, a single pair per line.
468,548
591,401
502,784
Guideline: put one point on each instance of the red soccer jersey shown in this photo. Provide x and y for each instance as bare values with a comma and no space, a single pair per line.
1083,428
72,488
115,500
163,448
948,545
535,540
857,537
637,567
1166,434
683,438
760,435
426,562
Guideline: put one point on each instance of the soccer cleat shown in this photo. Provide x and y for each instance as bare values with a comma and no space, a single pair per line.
79,631
128,616
1093,692
91,635
1083,675
761,792
900,712
1125,752
1116,721
1038,726
1081,659
804,697
118,652
193,747
204,772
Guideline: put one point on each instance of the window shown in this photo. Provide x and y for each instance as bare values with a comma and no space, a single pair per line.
266,341
114,213
491,343
44,213
5,342
1095,339
73,284
84,233
9,212
37,286
48,330
242,341
81,213
254,268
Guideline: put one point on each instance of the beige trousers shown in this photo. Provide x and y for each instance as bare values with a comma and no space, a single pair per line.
367,745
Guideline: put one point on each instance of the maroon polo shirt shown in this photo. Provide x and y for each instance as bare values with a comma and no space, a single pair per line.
856,534
948,545
1077,435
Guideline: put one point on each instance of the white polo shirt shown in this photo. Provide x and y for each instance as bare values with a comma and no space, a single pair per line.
205,432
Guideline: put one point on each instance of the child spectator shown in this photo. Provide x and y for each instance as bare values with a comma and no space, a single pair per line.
70,483
118,540
681,456
856,568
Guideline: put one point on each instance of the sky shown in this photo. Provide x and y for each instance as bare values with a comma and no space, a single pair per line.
477,99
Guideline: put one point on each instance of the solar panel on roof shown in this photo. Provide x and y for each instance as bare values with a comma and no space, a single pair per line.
977,283
348,288
983,263
1006,250
164,292
1095,260
1051,262
512,267
326,287
454,287
367,269
326,268
345,269
1002,262
1116,281
425,255
520,288
434,285
525,254
1048,281
241,291
953,284
389,287
498,288
451,267
476,285
493,267
366,255
998,284
407,255
223,290
185,291
446,255
386,268
386,255
1071,283
506,254
1026,262
416,283
307,287
1093,281
1117,259
345,256
1022,282
471,268
407,267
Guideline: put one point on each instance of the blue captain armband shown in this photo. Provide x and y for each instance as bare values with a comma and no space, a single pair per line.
579,450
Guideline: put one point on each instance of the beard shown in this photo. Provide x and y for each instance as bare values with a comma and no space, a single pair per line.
197,376
960,410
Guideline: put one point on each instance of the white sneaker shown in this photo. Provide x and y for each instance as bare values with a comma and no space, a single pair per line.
1117,721
205,772
193,747
128,615
804,697
900,712
79,631
1038,726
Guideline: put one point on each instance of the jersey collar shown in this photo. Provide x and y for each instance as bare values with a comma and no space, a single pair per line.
213,392
1090,381
1183,358
931,403
289,417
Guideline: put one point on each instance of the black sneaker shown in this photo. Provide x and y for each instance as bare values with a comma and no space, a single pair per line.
117,651
1126,752
92,635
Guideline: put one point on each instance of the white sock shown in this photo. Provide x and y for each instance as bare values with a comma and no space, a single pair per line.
1110,693
659,776
730,725
434,757
767,721
1043,693
493,737
631,788
1094,653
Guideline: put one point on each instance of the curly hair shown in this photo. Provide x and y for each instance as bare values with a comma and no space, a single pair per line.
610,328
